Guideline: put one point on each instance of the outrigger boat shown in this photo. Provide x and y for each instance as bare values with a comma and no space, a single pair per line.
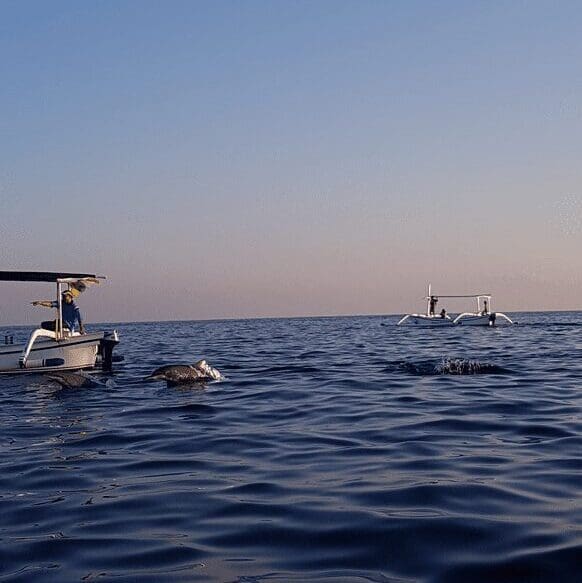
61,349
482,317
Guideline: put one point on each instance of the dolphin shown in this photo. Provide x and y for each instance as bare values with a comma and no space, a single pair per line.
73,380
177,374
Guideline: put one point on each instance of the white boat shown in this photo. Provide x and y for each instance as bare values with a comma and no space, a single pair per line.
61,349
483,316
431,320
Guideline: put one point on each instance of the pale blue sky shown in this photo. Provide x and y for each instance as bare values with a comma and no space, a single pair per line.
239,159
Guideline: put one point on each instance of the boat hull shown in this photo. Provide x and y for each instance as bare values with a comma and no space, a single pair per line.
475,320
74,353
427,321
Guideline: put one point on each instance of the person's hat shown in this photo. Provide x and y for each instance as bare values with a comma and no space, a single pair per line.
77,288
68,292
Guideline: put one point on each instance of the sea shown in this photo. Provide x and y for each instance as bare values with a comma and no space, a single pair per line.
336,449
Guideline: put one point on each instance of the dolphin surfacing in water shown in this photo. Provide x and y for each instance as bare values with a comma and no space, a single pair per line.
180,374
73,380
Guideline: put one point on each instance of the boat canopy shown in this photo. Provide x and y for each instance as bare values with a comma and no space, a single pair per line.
464,296
47,276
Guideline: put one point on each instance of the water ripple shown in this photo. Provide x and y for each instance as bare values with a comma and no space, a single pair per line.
341,449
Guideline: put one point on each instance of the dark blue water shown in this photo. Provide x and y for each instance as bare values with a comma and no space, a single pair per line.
337,449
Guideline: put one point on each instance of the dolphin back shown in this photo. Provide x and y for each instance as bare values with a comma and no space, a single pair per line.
176,374
73,380
171,372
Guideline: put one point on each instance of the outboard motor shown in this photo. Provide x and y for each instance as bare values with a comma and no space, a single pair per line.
492,319
109,342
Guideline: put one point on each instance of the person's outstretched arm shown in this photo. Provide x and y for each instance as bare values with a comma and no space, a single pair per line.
44,303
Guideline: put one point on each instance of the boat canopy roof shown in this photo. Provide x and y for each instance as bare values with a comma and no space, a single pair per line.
465,296
48,276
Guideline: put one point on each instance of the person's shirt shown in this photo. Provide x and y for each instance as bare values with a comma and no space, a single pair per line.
71,314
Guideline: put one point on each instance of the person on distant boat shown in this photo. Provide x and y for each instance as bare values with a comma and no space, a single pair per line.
443,313
485,308
71,313
433,302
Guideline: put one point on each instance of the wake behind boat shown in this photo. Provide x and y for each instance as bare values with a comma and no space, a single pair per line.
483,316
59,348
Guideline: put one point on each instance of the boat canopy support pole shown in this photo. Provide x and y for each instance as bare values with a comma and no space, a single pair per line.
59,326
428,297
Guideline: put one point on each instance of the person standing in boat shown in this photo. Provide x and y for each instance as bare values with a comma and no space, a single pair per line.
485,308
71,313
433,302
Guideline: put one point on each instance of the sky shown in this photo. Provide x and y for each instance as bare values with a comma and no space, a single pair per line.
239,159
